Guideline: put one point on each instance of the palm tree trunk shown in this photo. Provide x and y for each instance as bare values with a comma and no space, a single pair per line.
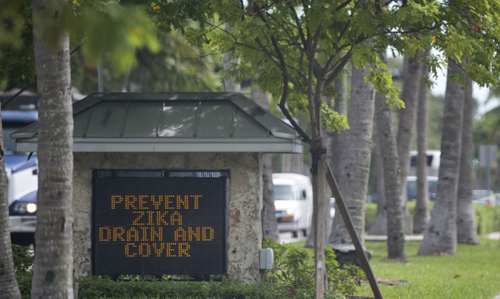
422,215
395,202
53,275
466,224
269,224
441,235
230,84
379,228
355,156
8,282
411,83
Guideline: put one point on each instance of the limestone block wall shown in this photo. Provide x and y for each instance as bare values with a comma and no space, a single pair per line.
245,201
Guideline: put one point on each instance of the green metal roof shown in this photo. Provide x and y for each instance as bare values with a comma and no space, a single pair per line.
172,122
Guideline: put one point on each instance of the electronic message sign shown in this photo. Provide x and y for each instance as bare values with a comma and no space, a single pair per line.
159,222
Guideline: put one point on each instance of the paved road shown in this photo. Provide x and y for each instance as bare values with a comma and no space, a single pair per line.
287,238
494,236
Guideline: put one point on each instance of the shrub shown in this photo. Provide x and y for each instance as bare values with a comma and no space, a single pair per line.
294,269
23,265
487,219
98,287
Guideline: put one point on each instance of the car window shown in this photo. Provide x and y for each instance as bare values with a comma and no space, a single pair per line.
411,189
284,192
432,186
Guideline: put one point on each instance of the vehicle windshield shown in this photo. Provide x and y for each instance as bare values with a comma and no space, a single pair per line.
10,144
284,192
411,189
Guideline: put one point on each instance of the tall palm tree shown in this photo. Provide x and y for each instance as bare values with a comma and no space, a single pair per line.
8,282
379,227
392,184
441,235
411,83
355,157
422,215
269,223
53,275
340,106
466,224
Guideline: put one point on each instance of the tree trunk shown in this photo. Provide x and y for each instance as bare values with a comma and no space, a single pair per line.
269,224
229,83
327,140
441,235
422,215
379,228
395,202
53,275
318,173
340,86
466,224
355,155
411,83
8,282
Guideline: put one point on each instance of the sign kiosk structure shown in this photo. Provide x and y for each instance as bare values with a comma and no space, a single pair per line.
169,183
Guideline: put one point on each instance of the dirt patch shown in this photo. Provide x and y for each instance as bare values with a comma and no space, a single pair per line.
388,282
402,260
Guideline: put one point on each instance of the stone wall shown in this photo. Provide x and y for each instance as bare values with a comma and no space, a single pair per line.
245,201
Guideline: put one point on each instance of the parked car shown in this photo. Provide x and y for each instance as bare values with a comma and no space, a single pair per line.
433,161
22,219
411,187
22,178
293,202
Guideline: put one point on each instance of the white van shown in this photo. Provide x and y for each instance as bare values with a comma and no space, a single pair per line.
293,202
433,161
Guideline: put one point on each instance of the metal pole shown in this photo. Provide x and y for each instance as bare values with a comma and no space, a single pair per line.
339,200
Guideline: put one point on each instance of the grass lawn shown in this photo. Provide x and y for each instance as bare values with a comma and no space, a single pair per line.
473,273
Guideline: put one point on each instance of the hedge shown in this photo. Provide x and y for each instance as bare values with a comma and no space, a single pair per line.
487,218
95,287
98,287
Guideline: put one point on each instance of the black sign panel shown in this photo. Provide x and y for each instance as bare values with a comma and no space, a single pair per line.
158,222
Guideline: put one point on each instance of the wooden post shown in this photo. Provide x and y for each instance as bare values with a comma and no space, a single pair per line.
352,232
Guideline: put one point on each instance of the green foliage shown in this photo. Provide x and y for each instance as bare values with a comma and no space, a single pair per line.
176,67
11,24
341,280
97,287
294,269
24,261
332,120
294,45
107,28
17,61
487,219
101,27
382,81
